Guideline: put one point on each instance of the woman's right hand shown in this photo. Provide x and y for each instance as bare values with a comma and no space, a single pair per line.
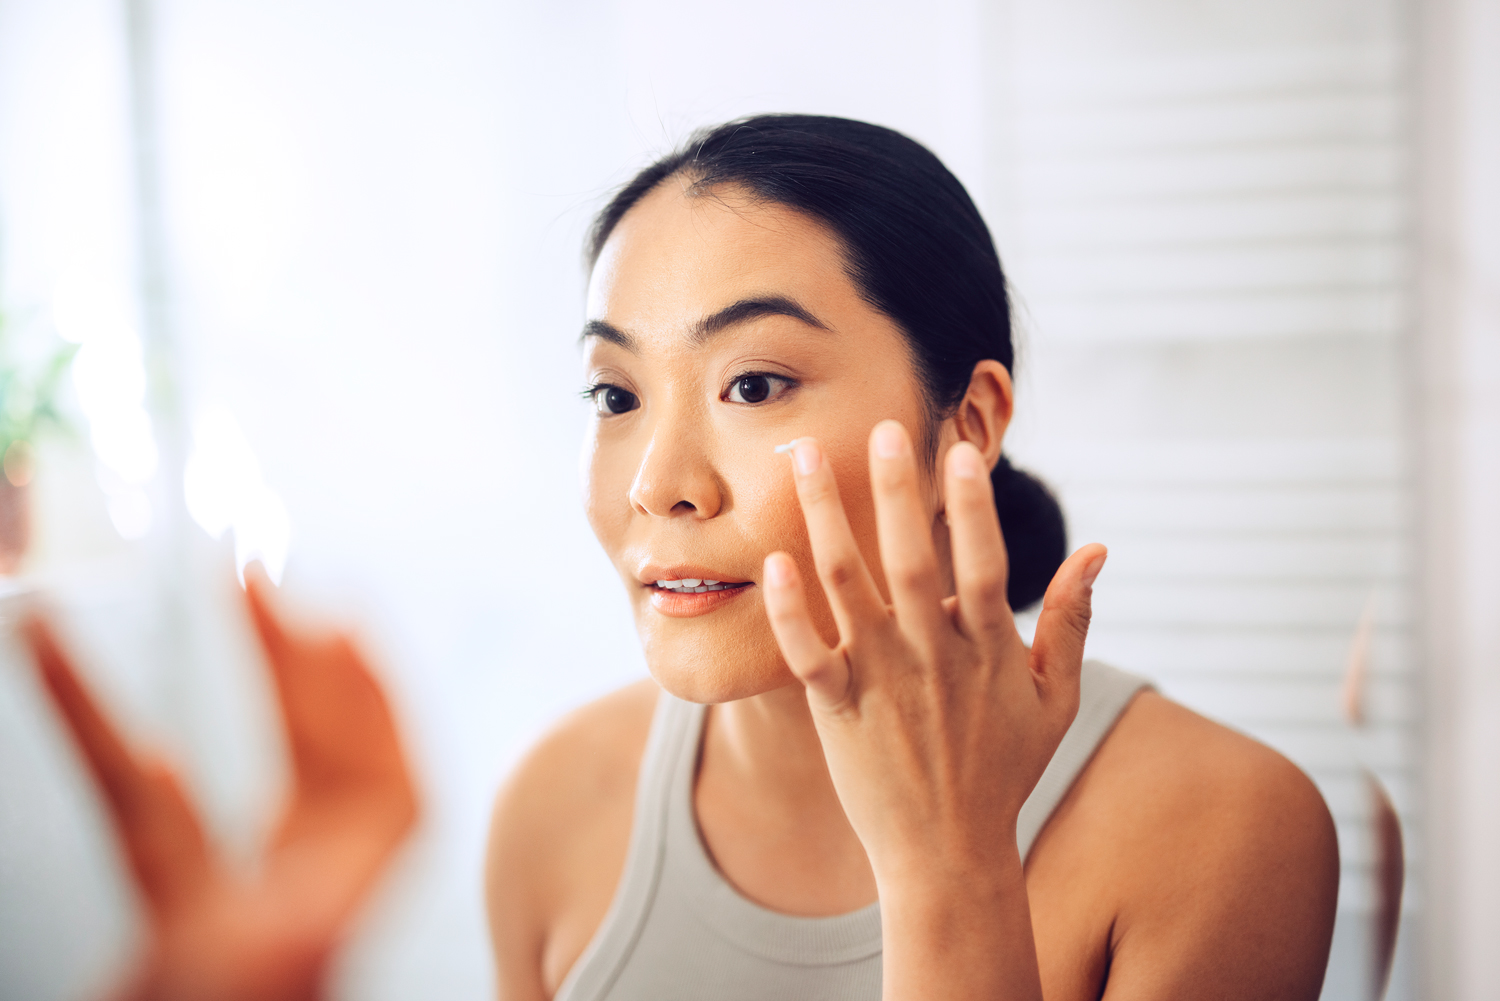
935,717
216,933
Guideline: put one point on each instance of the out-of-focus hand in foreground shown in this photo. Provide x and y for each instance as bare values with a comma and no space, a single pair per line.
267,936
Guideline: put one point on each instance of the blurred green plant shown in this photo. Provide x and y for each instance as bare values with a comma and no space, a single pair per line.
33,362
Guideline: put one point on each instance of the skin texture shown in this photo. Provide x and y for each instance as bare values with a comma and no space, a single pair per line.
866,689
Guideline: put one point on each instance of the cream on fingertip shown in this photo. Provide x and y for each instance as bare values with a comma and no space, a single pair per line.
784,449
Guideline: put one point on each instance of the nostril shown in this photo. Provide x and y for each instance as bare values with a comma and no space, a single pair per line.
683,507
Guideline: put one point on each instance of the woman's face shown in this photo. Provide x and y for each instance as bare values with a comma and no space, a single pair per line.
719,328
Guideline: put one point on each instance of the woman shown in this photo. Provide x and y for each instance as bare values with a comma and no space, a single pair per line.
874,722
847,777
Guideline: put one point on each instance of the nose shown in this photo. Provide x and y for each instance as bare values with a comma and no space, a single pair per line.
675,479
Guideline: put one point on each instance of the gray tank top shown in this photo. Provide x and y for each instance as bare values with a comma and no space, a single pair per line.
676,928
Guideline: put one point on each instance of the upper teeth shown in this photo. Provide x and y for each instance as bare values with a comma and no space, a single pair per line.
691,584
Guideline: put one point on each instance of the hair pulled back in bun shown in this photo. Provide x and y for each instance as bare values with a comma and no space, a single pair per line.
918,251
1036,537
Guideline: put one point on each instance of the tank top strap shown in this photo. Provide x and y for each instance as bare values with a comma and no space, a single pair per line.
676,928
674,724
1104,692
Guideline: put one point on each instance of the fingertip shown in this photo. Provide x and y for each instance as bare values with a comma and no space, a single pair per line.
1096,556
780,570
255,600
807,456
966,462
263,613
259,588
888,439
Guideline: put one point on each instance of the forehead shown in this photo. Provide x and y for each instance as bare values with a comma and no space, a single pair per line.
676,257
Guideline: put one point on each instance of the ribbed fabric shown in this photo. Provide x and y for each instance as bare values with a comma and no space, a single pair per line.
676,929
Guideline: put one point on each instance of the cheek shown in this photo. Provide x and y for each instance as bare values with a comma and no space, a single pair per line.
604,481
772,508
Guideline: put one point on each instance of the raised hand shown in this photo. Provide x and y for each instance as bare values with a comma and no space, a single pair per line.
215,934
935,718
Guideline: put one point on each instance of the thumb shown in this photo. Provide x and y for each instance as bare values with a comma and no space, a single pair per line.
1063,626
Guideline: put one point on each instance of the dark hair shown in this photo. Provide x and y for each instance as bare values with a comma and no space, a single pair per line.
918,251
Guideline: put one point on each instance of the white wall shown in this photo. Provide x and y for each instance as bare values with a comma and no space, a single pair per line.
1457,364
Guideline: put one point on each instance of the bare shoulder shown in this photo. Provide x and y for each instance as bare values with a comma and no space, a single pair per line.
1218,858
558,837
1175,765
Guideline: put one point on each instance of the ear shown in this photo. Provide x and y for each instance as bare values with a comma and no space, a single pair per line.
984,413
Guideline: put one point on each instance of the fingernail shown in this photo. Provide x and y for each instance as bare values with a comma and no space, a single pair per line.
1091,572
889,441
966,462
806,455
778,573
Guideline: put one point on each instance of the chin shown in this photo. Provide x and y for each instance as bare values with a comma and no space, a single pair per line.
711,662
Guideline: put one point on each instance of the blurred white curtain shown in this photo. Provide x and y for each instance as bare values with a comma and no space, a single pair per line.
1456,362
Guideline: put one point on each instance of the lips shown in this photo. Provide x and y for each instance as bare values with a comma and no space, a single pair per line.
687,577
684,591
691,585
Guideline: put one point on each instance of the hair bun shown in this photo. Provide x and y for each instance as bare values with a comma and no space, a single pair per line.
1036,536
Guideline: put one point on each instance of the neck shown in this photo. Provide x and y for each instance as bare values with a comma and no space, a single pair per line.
768,812
768,737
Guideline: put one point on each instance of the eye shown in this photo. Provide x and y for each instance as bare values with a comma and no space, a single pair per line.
610,400
756,387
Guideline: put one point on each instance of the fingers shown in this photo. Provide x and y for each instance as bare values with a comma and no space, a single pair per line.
824,672
294,683
152,814
311,708
274,637
904,526
1063,625
339,724
119,775
846,580
980,565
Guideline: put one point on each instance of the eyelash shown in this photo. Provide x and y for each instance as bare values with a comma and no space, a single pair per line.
786,382
590,393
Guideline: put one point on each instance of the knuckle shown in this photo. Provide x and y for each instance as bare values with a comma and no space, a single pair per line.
893,475
1078,618
1065,708
908,574
819,674
988,588
830,680
818,491
841,572
781,612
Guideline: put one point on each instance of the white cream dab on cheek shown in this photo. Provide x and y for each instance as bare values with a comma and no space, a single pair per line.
783,449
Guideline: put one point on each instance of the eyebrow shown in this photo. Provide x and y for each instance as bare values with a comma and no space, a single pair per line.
739,312
607,332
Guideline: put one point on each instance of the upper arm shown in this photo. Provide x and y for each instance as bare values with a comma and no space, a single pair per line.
514,890
1235,883
557,842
